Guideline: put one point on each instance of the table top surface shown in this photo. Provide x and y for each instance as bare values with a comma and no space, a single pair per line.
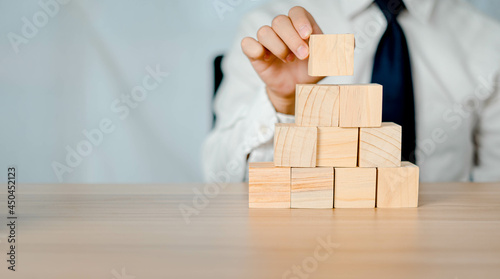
207,231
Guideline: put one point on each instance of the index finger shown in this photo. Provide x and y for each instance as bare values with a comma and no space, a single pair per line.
303,22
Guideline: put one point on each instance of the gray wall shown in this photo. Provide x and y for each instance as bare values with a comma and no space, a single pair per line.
70,75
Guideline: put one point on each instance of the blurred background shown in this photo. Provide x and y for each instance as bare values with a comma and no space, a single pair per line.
113,91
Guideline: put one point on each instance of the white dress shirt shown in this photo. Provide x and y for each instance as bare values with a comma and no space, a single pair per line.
455,58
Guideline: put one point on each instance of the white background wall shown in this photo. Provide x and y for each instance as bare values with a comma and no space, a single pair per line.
88,54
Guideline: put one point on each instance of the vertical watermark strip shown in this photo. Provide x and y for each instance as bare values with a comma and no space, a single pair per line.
11,217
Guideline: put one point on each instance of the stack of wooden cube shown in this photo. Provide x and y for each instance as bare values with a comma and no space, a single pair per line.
338,154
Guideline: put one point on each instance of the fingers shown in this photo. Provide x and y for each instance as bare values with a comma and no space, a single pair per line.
303,22
253,49
286,39
283,27
271,41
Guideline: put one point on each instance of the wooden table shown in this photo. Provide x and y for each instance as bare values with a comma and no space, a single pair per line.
138,231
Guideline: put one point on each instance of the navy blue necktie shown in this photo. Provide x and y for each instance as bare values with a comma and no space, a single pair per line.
392,69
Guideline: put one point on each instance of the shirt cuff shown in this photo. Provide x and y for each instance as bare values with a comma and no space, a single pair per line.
285,118
260,120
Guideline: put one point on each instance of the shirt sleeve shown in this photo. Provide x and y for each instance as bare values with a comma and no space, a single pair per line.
245,116
228,148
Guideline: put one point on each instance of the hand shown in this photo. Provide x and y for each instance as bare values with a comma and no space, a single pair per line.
280,56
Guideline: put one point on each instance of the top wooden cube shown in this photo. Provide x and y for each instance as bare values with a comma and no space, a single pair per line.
331,55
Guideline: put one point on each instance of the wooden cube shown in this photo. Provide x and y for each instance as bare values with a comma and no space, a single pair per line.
380,147
360,105
295,146
312,188
269,186
337,147
355,187
317,105
398,187
331,55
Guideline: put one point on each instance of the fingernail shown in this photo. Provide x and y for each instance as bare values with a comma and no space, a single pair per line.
305,31
290,57
302,52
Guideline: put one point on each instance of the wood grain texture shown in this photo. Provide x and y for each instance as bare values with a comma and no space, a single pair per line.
398,187
360,105
337,147
331,55
269,186
381,146
317,105
355,187
88,230
295,146
312,187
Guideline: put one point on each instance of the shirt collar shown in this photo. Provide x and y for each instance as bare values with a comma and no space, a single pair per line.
421,9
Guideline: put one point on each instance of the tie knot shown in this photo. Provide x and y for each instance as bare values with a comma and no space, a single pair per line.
390,8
